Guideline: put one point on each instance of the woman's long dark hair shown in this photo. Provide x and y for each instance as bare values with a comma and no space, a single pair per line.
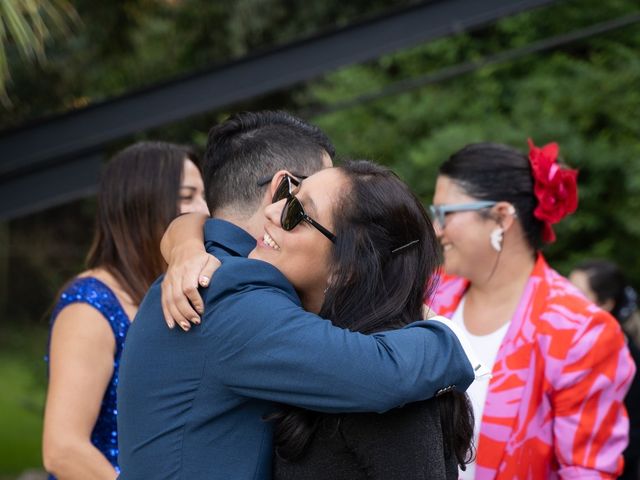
137,199
385,254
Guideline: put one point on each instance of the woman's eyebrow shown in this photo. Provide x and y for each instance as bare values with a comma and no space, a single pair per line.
308,204
188,187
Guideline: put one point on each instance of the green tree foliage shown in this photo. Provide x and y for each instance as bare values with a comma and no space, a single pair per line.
27,25
131,44
585,96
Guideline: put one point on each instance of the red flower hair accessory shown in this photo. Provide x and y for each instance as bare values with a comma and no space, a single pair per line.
555,188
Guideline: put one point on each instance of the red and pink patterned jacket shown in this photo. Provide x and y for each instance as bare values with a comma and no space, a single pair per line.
555,403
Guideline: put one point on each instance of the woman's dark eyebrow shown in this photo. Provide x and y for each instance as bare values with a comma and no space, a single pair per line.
306,200
310,205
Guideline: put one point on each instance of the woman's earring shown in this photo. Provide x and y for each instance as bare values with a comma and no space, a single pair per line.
496,239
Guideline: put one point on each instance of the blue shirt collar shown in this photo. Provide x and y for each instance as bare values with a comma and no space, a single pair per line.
220,234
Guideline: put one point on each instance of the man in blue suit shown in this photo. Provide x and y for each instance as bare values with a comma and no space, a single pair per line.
191,405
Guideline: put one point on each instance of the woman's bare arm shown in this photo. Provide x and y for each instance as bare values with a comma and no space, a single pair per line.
189,265
80,368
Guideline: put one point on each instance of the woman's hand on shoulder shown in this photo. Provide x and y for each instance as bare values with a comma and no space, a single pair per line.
190,266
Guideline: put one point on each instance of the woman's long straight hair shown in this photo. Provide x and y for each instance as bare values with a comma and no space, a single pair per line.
384,258
137,199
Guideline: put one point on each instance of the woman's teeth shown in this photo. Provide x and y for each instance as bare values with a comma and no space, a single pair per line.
269,241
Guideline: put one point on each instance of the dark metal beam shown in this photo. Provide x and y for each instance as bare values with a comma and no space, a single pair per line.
50,186
55,142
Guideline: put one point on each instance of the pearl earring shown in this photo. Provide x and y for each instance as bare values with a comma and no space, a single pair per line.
496,239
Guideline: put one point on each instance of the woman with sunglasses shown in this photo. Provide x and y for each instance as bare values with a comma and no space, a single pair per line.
554,405
384,251
359,248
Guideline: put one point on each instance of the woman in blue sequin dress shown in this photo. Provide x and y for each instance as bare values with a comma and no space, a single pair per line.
142,189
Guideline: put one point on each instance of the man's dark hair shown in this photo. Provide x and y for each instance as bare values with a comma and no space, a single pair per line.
386,253
250,146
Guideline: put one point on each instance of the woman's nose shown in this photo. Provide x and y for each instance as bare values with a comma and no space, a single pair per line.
273,212
201,206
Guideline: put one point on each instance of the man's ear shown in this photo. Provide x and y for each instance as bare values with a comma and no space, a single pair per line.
275,182
505,214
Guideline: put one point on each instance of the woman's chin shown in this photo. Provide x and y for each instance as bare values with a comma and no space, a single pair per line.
451,268
265,253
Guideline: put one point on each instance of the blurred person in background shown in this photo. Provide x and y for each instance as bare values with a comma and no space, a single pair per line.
604,283
142,189
561,368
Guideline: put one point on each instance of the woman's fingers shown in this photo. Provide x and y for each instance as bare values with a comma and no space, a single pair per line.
210,267
175,304
181,300
166,312
204,280
170,308
198,271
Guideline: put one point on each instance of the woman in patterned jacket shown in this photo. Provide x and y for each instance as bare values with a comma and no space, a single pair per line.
554,406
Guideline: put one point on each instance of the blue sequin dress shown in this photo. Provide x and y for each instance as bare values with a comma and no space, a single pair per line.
92,291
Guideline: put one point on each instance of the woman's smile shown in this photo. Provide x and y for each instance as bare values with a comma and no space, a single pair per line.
269,242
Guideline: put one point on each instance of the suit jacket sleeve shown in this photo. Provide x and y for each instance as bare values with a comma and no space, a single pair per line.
268,347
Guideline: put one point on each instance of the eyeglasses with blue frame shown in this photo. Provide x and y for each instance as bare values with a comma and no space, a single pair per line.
439,212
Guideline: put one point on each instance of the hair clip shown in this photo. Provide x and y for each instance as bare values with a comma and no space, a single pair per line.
406,245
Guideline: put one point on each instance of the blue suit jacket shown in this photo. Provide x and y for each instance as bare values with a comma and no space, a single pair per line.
191,405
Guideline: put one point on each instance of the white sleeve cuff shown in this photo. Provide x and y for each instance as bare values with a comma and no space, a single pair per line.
479,369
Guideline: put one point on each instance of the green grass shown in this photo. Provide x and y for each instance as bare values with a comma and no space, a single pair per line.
22,392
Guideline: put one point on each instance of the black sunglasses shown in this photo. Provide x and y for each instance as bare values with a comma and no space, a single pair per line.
293,212
262,181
